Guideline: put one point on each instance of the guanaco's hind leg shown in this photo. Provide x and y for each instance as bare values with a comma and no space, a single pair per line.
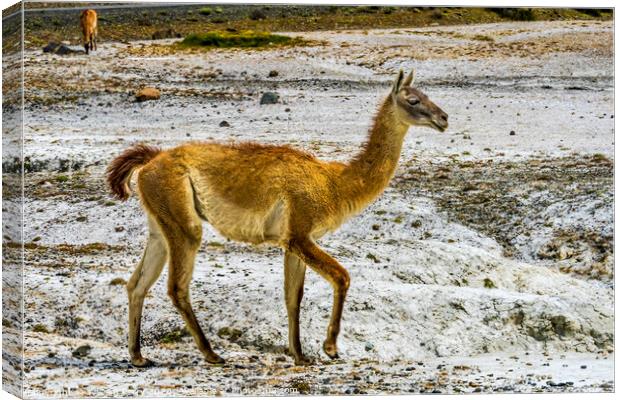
182,228
143,278
334,273
294,273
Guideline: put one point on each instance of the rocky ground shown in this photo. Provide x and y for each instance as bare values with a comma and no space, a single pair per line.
486,266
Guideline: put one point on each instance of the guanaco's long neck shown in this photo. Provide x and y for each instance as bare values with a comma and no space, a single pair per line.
370,171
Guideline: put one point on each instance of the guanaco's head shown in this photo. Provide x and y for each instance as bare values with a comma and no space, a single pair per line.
413,107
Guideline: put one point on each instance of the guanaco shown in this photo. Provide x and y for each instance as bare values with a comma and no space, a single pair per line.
259,194
88,24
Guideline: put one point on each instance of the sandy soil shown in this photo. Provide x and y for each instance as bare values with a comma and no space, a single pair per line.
461,281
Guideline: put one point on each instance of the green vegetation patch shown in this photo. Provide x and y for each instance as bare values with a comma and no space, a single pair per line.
489,284
175,336
515,14
40,328
206,11
242,39
483,38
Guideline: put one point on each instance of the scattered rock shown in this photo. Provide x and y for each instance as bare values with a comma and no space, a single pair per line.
273,73
229,333
416,224
60,49
368,346
165,34
372,257
118,281
269,98
82,351
147,93
224,124
512,133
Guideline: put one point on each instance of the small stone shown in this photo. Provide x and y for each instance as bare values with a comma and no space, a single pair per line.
368,346
269,98
512,133
82,351
273,73
583,367
224,124
119,228
147,93
118,281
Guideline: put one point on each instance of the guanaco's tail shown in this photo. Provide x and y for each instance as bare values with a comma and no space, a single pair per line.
120,169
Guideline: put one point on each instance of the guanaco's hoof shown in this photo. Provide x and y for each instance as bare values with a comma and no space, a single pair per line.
215,359
330,350
142,362
302,361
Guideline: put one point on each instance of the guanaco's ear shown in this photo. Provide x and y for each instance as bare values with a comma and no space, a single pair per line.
409,79
398,82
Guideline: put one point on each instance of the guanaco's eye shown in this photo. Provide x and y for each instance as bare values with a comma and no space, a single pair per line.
413,101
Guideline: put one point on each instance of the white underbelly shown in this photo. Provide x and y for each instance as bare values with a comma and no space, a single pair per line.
236,223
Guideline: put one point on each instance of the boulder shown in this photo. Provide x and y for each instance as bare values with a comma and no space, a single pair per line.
60,49
147,93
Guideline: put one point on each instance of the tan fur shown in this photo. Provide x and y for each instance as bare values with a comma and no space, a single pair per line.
88,25
261,194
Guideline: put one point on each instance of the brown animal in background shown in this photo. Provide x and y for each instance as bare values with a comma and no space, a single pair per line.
88,23
260,194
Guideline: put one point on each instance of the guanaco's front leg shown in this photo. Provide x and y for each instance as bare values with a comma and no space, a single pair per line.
334,273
